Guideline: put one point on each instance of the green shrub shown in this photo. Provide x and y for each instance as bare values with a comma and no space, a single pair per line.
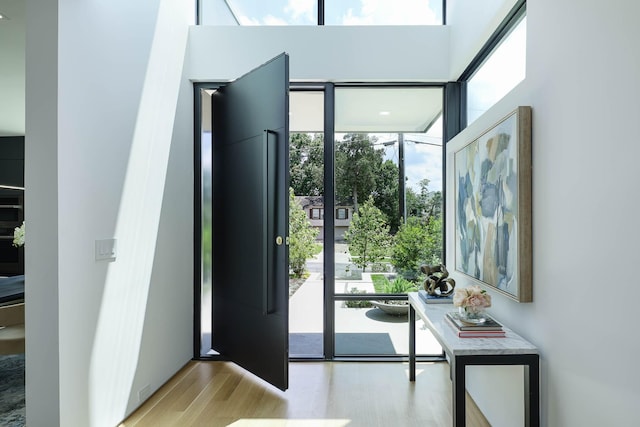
357,303
417,242
400,285
368,235
302,240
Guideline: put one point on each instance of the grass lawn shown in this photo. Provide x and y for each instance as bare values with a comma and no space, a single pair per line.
379,281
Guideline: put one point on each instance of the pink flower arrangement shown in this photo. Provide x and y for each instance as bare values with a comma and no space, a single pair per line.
472,299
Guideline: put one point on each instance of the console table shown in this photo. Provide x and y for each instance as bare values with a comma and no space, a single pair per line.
510,350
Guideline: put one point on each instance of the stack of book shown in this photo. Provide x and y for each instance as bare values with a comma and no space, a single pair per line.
435,299
487,329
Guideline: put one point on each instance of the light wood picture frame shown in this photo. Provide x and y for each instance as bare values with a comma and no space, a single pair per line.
493,226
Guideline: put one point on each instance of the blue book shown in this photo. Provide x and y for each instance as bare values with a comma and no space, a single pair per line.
435,299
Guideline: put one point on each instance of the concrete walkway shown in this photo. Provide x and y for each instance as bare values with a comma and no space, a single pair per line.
366,325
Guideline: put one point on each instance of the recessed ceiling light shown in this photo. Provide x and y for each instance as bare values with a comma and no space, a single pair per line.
384,113
3,16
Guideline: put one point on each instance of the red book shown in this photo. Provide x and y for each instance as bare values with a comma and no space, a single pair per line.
474,334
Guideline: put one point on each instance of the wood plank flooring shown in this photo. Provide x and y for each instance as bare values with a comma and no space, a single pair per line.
323,394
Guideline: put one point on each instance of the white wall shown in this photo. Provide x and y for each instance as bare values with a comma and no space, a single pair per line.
585,205
109,155
12,68
41,197
216,12
472,22
330,53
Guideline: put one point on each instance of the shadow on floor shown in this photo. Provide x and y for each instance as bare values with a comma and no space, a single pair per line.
355,343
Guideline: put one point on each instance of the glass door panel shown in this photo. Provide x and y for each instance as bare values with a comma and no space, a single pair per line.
306,225
206,204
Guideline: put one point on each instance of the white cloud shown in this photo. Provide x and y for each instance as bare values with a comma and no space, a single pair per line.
272,20
381,12
301,8
423,161
245,20
349,19
265,20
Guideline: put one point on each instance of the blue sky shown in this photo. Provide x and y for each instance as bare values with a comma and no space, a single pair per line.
421,160
338,12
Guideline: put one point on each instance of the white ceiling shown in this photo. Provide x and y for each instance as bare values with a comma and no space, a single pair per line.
306,111
12,67
371,109
368,109
358,110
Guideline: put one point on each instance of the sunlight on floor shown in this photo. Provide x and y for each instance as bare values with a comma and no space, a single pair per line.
418,372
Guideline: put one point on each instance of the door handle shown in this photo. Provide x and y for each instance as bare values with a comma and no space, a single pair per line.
269,139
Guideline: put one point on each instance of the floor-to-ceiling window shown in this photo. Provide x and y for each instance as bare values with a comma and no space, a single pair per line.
380,217
388,204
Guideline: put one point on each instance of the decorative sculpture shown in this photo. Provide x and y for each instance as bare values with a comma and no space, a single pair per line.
438,282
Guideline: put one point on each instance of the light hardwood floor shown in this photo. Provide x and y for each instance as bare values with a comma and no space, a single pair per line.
323,394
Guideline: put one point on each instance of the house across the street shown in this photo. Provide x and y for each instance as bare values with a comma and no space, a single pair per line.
314,208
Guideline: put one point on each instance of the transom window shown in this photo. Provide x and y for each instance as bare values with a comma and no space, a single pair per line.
321,12
503,69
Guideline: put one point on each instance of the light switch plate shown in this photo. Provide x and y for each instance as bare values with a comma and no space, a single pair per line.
106,250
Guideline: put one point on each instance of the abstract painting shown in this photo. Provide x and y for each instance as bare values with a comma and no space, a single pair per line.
493,207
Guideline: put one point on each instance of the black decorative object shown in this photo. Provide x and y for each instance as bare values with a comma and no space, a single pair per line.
438,282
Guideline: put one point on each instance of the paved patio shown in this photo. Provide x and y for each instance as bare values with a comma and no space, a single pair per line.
359,331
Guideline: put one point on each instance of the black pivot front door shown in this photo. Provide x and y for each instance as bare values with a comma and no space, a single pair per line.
250,221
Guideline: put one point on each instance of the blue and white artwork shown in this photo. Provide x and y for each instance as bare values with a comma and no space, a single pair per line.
486,173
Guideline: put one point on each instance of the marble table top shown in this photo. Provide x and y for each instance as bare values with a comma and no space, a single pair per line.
434,318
